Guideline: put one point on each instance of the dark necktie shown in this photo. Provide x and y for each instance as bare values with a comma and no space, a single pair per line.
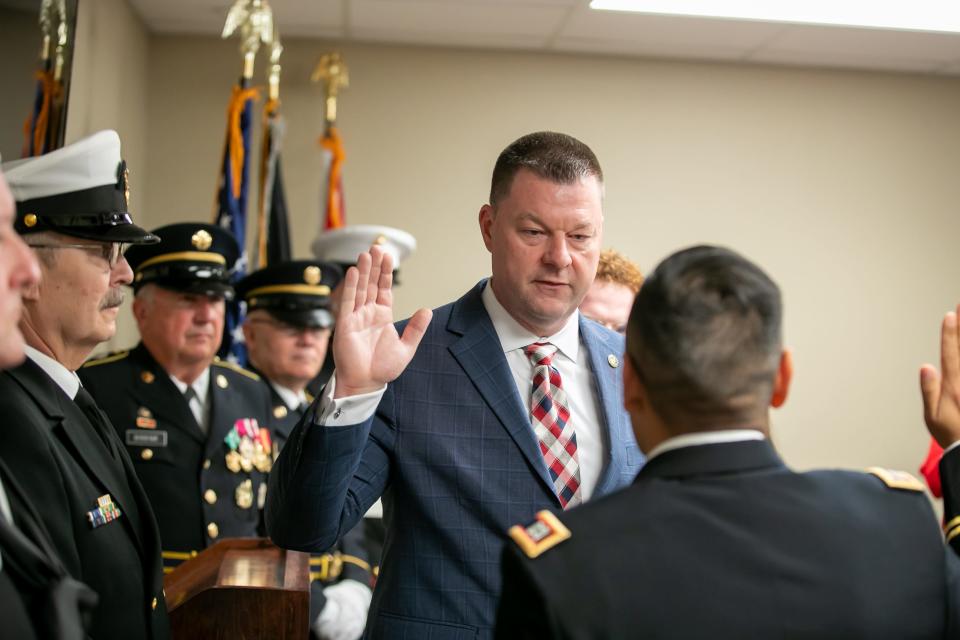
99,421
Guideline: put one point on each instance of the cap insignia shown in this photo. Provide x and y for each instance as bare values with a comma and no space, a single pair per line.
30,220
311,275
202,240
123,181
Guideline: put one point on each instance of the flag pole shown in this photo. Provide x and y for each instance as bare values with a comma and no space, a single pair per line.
333,72
252,20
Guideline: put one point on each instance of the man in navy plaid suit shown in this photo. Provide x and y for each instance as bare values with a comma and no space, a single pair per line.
437,419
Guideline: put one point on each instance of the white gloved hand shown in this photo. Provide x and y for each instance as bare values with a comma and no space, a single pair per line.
344,616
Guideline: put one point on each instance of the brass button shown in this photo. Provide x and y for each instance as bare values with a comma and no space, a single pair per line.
146,454
30,220
280,412
206,463
222,381
153,604
210,496
147,377
213,530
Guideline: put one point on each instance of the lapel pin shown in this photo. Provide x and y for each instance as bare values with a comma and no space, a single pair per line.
147,377
613,361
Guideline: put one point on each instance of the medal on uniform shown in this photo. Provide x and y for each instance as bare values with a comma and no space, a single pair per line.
244,494
233,461
262,495
241,439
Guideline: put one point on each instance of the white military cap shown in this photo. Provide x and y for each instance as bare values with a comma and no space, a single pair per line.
343,245
79,190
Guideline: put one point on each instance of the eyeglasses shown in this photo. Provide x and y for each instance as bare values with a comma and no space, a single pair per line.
109,251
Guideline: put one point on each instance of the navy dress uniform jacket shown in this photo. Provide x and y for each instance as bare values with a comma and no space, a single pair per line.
452,450
49,440
350,559
197,499
724,541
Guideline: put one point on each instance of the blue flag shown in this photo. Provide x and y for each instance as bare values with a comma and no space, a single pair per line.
232,209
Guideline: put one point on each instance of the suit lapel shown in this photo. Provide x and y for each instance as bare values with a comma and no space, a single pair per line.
69,425
609,385
153,388
481,357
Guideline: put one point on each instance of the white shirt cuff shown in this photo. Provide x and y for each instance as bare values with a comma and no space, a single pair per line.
350,410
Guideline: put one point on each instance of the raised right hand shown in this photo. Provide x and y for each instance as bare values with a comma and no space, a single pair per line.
367,351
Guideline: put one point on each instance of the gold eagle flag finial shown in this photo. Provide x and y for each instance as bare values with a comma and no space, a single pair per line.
254,20
333,72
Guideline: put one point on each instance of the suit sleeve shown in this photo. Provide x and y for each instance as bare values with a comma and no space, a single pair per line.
522,612
950,484
327,477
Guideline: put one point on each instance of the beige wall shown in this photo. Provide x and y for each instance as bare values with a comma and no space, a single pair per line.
111,90
842,184
19,49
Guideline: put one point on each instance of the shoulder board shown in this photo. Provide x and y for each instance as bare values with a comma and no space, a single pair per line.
543,533
236,368
897,479
110,357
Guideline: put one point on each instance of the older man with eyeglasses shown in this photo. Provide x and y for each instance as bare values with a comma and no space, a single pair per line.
71,207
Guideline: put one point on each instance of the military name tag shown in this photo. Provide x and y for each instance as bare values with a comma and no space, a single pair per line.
138,438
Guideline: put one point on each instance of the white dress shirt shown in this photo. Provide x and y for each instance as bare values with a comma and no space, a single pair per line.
65,379
290,398
704,437
199,403
574,367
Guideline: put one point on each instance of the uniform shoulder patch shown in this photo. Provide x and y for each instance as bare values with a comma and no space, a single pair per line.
107,359
897,479
236,368
543,533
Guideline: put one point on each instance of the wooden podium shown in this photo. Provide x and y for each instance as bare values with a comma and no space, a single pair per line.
240,588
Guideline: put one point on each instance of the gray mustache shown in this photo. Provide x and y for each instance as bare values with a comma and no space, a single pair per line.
114,298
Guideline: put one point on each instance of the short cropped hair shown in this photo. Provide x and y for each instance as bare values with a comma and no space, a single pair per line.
553,156
704,336
619,269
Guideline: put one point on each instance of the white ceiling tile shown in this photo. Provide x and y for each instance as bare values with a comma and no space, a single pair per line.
685,31
640,47
406,17
450,39
877,44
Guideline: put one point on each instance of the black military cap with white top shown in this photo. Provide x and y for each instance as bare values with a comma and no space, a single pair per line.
193,257
344,244
296,293
80,190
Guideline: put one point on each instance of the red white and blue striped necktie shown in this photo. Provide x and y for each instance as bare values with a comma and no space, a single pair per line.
550,412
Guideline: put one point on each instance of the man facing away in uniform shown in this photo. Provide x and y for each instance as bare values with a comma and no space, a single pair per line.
610,297
199,430
287,331
72,209
717,537
510,404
